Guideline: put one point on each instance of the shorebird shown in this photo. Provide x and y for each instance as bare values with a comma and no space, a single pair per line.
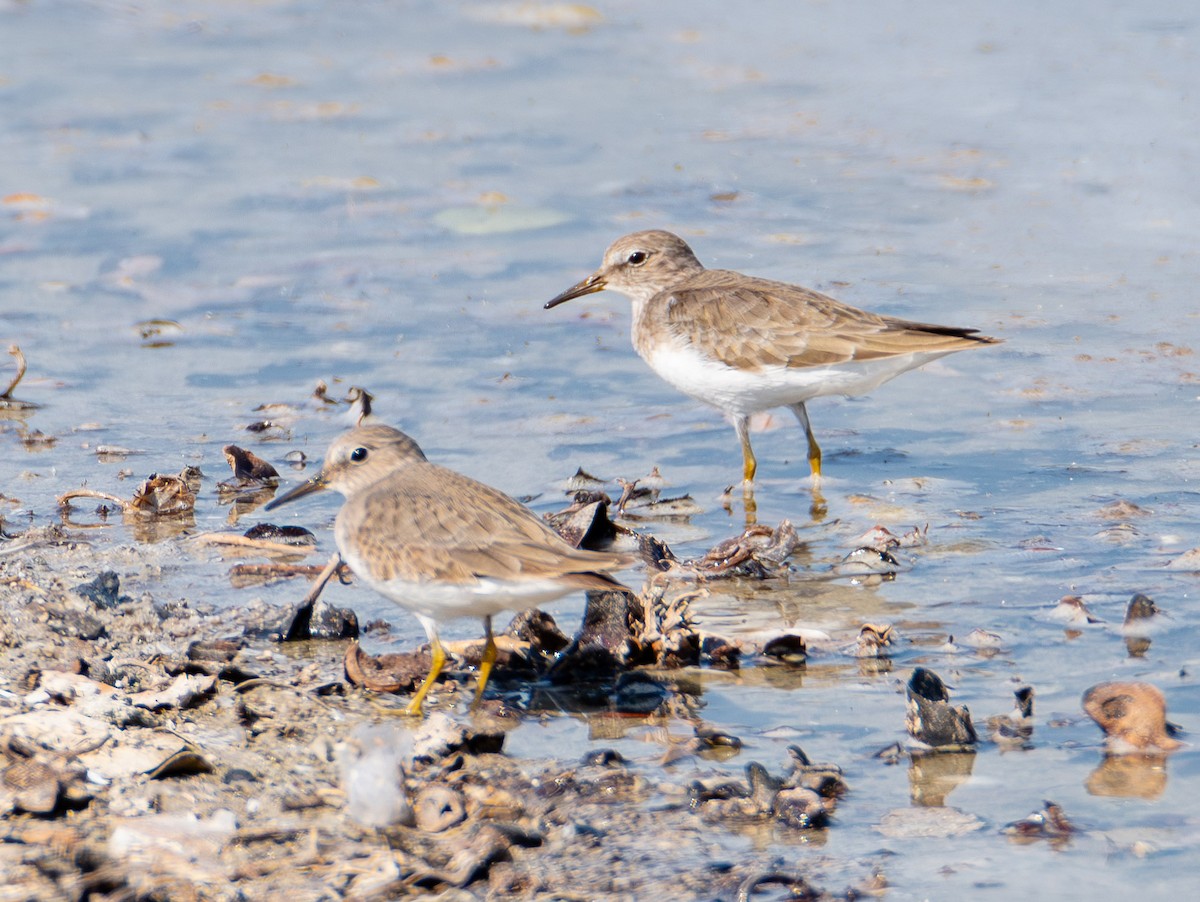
744,344
441,544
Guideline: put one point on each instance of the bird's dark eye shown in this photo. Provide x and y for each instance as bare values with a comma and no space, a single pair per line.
358,455
637,258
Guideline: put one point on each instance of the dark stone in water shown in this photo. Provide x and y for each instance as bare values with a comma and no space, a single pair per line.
789,649
931,718
539,630
639,693
589,527
603,758
285,535
317,620
104,591
600,648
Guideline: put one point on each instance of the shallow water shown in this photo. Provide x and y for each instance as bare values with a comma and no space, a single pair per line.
384,196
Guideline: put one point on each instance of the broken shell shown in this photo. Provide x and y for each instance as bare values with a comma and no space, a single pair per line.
438,808
1133,717
788,648
930,717
1049,823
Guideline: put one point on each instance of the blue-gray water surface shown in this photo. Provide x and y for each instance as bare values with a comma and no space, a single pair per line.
384,195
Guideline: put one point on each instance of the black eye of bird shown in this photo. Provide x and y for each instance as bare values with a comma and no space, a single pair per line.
358,455
637,258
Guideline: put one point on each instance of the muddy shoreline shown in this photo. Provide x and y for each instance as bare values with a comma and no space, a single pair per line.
173,750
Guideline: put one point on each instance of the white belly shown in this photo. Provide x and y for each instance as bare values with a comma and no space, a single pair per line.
438,601
741,392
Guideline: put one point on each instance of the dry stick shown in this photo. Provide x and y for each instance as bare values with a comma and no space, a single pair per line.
241,542
326,574
92,493
6,395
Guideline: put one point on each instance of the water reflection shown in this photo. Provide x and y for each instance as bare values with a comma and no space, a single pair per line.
932,777
1129,776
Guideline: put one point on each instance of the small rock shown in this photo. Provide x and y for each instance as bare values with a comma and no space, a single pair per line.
104,591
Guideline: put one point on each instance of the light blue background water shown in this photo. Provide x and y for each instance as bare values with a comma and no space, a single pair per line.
354,193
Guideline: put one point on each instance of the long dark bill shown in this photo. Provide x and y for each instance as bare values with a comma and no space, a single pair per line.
590,285
315,484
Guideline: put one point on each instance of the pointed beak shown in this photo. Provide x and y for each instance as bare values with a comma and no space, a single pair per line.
305,488
593,283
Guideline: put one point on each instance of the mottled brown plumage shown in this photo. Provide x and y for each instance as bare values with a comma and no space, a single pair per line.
745,344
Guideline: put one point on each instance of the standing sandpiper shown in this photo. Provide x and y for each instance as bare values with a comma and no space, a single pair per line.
441,544
744,344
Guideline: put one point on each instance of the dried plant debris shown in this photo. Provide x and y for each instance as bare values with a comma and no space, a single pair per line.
249,470
586,524
883,539
1050,823
787,649
315,618
106,452
156,333
1188,562
385,673
759,552
803,800
638,499
263,538
1133,717
244,576
282,782
1143,619
1142,616
164,496
868,563
1014,729
38,780
621,631
7,401
875,640
584,481
1073,611
157,497
931,720
35,439
361,402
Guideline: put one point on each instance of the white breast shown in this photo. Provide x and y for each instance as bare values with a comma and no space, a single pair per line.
741,392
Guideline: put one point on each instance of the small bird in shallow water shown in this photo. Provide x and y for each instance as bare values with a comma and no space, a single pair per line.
744,344
441,544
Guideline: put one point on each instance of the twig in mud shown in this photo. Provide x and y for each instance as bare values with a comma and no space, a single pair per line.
243,575
233,542
67,497
15,351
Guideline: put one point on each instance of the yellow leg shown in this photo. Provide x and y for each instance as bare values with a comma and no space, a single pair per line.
814,456
485,665
749,464
814,450
439,661
750,504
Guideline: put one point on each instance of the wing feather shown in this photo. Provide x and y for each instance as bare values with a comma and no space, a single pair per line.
755,323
